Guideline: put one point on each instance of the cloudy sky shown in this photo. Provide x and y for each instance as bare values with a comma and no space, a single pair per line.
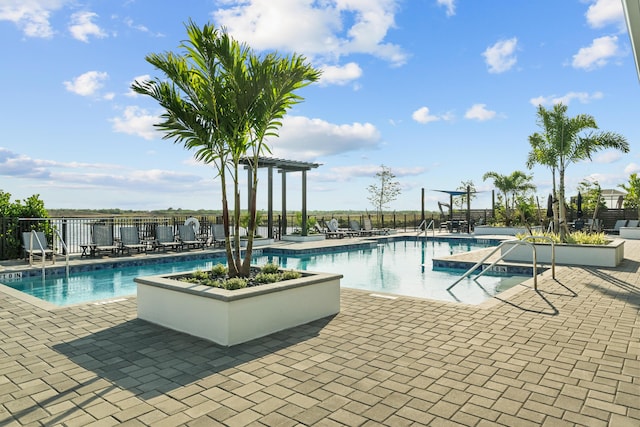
440,91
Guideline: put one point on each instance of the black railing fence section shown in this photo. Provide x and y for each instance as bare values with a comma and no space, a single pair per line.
77,231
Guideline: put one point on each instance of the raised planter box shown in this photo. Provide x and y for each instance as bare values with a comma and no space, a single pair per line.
260,241
610,255
630,232
299,238
233,317
504,231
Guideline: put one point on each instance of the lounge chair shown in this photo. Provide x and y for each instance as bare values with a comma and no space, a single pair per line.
35,244
165,238
368,227
356,230
633,223
616,227
130,239
187,236
333,232
217,232
102,239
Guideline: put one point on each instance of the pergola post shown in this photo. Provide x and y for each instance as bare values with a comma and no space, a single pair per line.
284,202
270,202
303,232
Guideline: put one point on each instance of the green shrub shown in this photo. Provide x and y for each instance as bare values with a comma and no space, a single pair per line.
290,274
235,283
575,238
267,277
200,275
219,270
270,268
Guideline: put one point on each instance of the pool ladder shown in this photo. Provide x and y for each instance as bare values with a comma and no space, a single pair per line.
33,236
515,243
426,228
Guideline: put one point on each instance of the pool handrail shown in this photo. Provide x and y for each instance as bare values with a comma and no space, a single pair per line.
515,243
66,249
431,226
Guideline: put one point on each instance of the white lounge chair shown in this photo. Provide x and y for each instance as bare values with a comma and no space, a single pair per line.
35,244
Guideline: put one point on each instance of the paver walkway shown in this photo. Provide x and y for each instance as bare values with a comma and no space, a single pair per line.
567,355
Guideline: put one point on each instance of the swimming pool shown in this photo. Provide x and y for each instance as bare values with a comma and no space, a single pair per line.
398,267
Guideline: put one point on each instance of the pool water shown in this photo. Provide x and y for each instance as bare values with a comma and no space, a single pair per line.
395,267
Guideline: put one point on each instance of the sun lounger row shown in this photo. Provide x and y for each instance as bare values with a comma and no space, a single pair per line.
331,229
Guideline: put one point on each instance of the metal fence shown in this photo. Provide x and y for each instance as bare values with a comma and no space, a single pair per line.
77,231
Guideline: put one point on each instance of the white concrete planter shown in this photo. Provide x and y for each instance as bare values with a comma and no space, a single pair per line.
233,317
504,231
298,238
260,241
610,255
630,232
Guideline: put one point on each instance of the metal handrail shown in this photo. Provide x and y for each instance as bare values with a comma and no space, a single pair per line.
515,243
431,226
553,251
66,249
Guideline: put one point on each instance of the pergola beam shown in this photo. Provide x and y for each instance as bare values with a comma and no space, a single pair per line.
283,166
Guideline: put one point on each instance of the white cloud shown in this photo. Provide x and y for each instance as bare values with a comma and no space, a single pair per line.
597,55
632,168
479,112
450,5
501,56
327,29
143,78
605,12
31,16
582,97
423,115
308,139
607,157
136,121
87,84
82,26
340,75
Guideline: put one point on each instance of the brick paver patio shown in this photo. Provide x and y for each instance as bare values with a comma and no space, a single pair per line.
567,355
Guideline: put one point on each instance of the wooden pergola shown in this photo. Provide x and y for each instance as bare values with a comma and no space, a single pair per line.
283,166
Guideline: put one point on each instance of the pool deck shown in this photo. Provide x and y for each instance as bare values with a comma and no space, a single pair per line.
566,355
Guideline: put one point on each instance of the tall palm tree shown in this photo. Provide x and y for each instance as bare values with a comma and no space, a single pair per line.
222,101
564,141
512,185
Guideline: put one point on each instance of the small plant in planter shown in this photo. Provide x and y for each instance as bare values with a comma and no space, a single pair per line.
218,277
575,238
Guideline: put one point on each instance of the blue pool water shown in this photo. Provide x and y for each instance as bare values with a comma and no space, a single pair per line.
396,267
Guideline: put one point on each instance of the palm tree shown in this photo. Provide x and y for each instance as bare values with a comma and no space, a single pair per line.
222,100
564,142
510,185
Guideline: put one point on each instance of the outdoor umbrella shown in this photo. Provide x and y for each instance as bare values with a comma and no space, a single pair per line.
550,206
579,206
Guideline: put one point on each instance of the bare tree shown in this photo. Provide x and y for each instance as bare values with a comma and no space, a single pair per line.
384,191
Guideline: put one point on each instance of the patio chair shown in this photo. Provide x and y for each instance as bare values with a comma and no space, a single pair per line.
165,238
333,232
368,227
130,239
356,230
217,232
187,236
35,244
616,227
633,223
102,239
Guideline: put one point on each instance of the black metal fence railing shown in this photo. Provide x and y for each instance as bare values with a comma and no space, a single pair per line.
77,231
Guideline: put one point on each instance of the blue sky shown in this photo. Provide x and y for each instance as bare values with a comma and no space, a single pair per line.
440,91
